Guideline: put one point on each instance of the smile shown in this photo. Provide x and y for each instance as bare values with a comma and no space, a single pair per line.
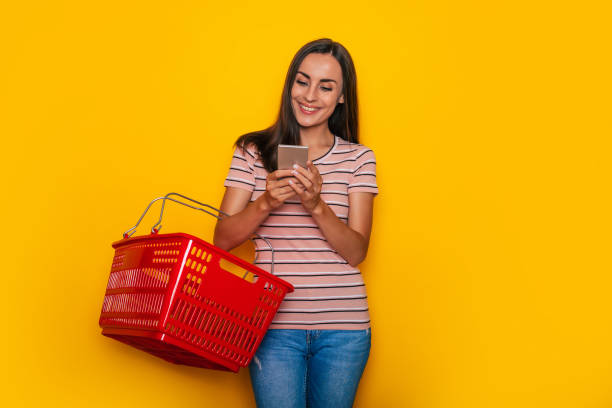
307,110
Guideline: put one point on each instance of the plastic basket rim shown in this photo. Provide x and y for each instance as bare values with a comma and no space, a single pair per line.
225,254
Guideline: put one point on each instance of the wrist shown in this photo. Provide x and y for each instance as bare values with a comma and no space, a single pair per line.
318,208
262,205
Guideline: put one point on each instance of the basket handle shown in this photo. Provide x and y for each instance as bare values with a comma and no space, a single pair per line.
155,229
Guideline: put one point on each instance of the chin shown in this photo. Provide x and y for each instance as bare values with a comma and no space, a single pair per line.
307,122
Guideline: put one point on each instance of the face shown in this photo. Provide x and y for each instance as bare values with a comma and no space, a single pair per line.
317,90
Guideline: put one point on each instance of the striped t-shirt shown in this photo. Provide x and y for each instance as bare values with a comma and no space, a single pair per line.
329,293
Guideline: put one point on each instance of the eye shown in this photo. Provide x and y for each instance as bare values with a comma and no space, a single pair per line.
326,89
301,82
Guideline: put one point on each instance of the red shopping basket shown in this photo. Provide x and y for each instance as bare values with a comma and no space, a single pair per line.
169,295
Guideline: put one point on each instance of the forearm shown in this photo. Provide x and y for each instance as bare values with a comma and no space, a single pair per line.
233,230
350,244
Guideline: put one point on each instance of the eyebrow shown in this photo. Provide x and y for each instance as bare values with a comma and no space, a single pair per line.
322,80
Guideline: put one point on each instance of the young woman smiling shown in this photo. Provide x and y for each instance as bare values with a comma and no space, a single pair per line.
318,220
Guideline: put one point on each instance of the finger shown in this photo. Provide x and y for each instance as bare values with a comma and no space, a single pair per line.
297,188
283,190
311,172
306,182
300,169
278,174
313,169
305,172
283,173
281,183
315,173
287,195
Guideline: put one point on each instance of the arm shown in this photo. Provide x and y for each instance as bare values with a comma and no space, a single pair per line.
350,240
245,216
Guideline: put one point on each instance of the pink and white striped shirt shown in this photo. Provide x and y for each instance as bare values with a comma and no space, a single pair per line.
329,293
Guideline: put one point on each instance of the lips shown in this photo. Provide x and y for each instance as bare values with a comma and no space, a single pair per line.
308,110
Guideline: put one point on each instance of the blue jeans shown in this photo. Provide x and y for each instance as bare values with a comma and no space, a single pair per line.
309,368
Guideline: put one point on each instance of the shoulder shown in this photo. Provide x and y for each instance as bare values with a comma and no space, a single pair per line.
248,152
344,146
354,151
362,151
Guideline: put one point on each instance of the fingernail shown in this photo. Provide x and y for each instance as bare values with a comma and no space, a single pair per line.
290,181
293,172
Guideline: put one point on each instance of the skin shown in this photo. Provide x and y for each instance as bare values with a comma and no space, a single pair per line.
317,85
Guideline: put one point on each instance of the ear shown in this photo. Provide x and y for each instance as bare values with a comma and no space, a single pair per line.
341,99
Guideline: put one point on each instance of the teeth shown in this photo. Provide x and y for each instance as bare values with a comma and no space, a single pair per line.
308,109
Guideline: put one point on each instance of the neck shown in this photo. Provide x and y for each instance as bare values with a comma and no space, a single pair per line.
316,137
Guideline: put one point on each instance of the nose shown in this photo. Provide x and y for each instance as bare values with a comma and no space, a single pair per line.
311,93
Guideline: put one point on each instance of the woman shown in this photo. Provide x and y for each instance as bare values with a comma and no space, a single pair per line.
318,220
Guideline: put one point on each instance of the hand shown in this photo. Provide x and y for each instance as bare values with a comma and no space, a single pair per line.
309,186
278,188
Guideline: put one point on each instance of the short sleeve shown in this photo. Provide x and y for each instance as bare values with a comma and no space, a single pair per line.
241,173
363,179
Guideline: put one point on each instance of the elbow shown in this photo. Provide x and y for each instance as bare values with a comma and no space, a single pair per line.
355,261
358,257
226,237
221,244
218,240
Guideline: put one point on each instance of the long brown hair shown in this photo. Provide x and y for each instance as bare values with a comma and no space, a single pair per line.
343,122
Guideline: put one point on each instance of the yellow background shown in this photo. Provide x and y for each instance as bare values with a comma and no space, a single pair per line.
489,272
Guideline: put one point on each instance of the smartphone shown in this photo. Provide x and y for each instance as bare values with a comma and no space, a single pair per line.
288,155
